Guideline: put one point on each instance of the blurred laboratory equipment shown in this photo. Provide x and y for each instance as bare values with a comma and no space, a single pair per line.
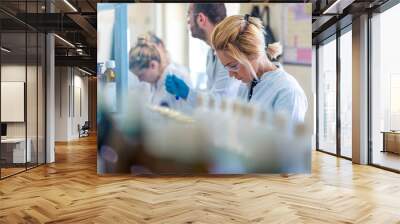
219,137
110,86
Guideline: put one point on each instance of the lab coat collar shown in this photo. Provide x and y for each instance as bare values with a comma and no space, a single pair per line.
268,74
212,54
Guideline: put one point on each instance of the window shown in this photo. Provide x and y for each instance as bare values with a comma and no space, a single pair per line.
327,97
346,94
385,87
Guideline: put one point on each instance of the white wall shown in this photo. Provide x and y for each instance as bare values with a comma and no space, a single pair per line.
168,21
141,19
70,83
33,127
105,21
61,103
14,73
176,34
80,94
17,73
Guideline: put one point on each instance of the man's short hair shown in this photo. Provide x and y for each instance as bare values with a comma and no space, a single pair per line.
215,12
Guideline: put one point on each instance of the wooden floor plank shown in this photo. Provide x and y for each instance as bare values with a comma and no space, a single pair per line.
70,191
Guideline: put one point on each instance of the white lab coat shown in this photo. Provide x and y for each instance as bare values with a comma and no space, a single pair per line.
134,83
278,91
159,95
219,84
183,71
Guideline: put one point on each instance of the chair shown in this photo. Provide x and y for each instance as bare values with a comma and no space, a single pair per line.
84,130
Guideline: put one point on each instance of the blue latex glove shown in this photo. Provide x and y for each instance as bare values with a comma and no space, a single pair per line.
176,86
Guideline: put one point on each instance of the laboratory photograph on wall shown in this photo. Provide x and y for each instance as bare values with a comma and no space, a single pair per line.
204,88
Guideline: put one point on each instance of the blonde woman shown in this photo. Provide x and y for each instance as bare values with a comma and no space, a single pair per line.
240,45
149,65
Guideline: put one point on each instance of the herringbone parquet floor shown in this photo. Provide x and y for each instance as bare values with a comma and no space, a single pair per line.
70,191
